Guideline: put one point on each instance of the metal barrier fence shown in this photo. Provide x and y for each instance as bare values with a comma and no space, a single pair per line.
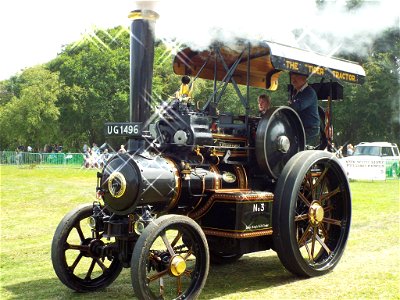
29,158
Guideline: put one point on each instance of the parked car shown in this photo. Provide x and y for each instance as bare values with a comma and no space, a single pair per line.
376,160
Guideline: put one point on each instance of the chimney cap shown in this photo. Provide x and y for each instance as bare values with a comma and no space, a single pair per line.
145,14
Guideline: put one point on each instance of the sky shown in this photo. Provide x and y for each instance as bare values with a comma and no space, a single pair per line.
34,31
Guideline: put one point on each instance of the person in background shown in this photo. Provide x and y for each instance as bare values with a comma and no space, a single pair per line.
339,152
305,102
104,157
122,149
91,159
95,149
87,158
185,90
350,150
18,156
264,103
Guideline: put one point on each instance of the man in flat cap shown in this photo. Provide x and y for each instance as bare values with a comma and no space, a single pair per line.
305,102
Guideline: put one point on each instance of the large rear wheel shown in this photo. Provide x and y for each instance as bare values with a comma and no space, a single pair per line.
311,213
170,259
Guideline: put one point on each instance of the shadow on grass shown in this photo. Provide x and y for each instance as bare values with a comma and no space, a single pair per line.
247,274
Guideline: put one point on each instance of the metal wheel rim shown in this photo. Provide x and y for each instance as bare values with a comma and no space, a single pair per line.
173,241
320,243
79,258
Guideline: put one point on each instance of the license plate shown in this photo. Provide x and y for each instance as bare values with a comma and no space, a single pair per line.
123,129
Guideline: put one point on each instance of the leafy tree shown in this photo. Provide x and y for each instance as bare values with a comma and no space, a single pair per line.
371,112
6,91
95,74
32,117
165,82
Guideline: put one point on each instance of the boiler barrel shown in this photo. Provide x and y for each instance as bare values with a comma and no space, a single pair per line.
129,181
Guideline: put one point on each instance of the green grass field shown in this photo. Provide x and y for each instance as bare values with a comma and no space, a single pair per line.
33,201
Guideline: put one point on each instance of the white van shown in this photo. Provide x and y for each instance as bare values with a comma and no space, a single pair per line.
376,160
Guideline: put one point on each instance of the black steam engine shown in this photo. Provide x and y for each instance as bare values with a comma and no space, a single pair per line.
198,185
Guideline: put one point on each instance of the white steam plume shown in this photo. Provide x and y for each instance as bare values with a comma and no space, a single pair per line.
324,28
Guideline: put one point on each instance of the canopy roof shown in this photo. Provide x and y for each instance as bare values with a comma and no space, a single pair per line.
266,61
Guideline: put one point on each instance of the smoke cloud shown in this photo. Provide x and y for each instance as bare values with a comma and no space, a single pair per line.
326,27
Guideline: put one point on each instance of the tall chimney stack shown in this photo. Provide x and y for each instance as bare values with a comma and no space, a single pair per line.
141,69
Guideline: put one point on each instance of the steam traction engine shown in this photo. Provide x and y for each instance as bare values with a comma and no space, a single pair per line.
197,186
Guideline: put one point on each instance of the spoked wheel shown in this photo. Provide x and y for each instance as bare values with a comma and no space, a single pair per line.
77,255
170,259
222,258
311,213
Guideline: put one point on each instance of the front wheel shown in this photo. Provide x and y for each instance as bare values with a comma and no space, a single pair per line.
77,255
311,213
170,259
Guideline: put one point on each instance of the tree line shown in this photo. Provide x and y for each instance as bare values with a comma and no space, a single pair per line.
68,100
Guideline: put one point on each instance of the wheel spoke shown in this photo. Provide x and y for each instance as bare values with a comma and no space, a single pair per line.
179,285
310,179
322,189
77,260
304,236
332,221
82,248
313,237
324,232
321,177
313,184
301,217
79,229
89,273
323,244
304,199
317,176
330,194
309,183
102,266
190,252
167,244
176,239
328,208
157,275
